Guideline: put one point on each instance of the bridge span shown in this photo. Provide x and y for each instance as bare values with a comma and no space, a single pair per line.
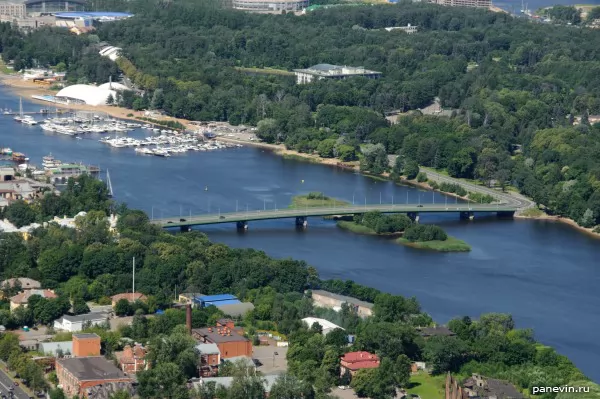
301,214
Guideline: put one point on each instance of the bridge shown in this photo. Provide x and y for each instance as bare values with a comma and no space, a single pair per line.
301,214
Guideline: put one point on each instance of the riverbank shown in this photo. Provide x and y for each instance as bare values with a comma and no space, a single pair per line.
451,244
26,89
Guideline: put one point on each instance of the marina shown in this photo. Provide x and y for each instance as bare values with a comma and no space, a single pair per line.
165,145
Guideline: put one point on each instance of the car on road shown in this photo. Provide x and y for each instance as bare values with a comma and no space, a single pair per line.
221,217
182,220
419,206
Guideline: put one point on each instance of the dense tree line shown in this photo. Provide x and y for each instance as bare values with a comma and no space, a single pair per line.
512,85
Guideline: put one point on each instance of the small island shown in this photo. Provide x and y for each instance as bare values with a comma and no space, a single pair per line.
376,223
316,199
433,238
429,237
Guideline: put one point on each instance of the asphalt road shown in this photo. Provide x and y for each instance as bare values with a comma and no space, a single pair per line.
6,382
327,211
513,199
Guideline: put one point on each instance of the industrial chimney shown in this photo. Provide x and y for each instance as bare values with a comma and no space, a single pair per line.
188,318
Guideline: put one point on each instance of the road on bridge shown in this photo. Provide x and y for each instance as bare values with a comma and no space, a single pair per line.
247,216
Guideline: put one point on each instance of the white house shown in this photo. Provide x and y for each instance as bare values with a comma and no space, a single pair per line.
76,323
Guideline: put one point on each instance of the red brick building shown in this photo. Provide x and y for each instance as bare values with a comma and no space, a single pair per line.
133,359
85,345
210,359
354,361
227,337
77,374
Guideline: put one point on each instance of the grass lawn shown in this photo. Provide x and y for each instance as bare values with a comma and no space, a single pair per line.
302,201
452,244
427,386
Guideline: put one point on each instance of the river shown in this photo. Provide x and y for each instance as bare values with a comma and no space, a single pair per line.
546,274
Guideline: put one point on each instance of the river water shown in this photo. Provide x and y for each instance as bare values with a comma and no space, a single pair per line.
544,273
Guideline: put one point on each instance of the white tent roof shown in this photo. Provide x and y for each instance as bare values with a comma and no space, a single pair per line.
113,86
91,95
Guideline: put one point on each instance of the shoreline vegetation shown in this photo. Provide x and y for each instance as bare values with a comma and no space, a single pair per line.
409,233
450,244
26,89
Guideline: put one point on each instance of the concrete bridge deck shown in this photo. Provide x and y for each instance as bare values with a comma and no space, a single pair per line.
303,213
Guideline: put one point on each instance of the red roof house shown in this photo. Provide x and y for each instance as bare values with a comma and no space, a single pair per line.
354,361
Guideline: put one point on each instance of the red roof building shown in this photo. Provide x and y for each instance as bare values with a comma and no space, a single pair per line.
354,361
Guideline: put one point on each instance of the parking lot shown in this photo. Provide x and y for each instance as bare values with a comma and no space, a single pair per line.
271,363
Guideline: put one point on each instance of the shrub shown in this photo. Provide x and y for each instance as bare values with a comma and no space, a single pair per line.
434,185
423,232
422,177
315,195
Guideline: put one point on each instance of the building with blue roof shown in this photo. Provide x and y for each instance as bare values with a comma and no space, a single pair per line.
229,304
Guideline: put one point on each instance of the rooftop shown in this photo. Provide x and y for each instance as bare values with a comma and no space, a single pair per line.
131,297
235,309
325,324
344,298
336,70
488,387
226,382
92,368
86,335
435,331
26,283
24,296
211,334
84,317
361,356
208,349
215,298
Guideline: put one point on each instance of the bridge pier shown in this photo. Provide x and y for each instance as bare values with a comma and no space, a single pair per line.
414,216
467,215
301,221
505,214
242,225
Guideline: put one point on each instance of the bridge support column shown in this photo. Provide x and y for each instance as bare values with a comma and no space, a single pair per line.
243,225
505,214
301,221
414,216
467,215
185,229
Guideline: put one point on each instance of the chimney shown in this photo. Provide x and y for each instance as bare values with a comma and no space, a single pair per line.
188,318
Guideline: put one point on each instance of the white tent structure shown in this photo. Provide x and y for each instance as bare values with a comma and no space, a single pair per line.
86,94
113,86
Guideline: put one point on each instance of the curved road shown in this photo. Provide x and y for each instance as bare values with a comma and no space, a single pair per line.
517,200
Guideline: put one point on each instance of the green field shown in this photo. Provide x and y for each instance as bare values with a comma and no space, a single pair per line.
302,201
427,386
452,244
